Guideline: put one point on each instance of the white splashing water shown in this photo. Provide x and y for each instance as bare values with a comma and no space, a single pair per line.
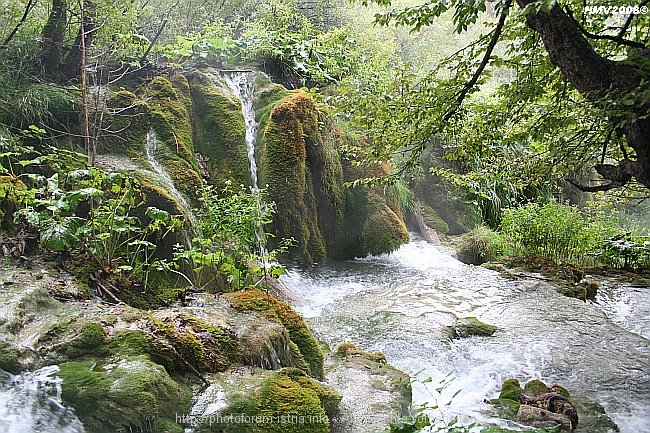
31,403
240,84
151,148
402,304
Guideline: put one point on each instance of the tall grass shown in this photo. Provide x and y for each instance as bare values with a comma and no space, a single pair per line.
558,232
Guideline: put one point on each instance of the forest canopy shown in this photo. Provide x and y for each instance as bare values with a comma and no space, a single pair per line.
514,94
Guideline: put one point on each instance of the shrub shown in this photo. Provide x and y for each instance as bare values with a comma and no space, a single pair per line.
482,245
557,232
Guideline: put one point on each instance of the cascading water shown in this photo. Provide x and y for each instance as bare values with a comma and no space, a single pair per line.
31,402
151,148
244,89
404,303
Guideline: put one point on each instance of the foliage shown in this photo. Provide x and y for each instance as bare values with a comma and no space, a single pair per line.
91,213
483,244
211,44
559,232
625,250
229,249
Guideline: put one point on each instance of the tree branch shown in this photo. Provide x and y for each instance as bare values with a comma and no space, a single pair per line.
618,38
28,8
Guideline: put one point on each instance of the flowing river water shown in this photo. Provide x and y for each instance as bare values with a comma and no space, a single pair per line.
403,304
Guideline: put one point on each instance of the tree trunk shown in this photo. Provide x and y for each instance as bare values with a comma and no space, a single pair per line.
598,79
53,35
72,66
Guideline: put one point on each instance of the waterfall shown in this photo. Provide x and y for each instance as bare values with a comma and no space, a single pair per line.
240,84
151,149
31,402
244,89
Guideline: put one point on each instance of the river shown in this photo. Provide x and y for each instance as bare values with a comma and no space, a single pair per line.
403,303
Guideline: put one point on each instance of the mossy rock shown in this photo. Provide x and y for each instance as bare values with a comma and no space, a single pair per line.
383,231
9,358
130,117
372,224
220,135
536,388
131,393
291,127
471,326
640,282
510,390
347,349
506,408
284,401
434,220
279,312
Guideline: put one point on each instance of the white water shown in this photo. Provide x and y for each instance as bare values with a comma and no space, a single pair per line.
31,402
400,305
151,148
244,89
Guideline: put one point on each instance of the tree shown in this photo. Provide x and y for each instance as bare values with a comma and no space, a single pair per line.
601,53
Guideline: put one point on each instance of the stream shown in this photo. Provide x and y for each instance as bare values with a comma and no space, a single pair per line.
402,304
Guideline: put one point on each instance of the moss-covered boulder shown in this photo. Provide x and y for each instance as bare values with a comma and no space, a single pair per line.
220,131
266,402
292,127
130,393
471,326
274,310
305,173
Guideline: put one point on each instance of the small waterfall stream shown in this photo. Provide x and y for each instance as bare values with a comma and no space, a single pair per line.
244,89
31,402
151,148
403,304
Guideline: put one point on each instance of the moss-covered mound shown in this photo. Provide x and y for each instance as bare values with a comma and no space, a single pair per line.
469,326
373,220
220,134
292,127
128,394
303,168
279,312
285,402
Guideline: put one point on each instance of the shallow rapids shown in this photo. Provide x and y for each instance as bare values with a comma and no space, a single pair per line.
403,304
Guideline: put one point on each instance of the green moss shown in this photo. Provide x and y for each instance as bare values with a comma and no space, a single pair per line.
130,394
279,312
292,126
470,326
383,231
12,193
89,339
9,358
434,220
297,397
204,346
346,350
510,390
371,225
220,133
560,390
536,388
277,405
507,408
130,118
